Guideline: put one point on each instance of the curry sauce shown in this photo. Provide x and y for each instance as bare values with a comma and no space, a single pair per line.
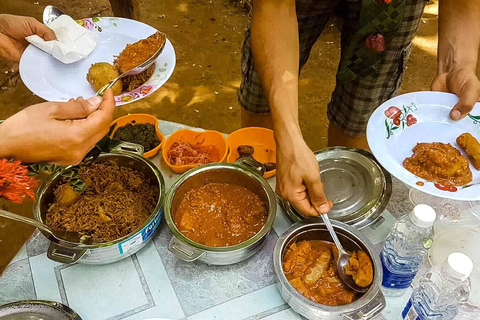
310,267
220,214
440,163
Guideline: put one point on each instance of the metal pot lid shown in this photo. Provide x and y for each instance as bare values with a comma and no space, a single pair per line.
356,183
37,310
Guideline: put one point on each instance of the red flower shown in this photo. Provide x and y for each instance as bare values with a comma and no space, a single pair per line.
385,1
411,120
396,121
392,112
15,184
375,42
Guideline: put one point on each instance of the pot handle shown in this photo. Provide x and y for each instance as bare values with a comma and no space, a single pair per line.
129,147
108,144
64,255
252,165
370,310
183,251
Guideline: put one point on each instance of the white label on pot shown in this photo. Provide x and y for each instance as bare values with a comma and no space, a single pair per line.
130,243
142,236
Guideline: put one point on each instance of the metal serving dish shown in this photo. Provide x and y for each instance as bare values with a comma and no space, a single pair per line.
37,310
244,173
106,252
366,307
356,183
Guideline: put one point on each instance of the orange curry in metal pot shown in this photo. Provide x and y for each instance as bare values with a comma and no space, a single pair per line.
310,267
220,214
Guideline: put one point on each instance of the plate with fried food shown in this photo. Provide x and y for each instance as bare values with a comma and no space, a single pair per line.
413,138
122,44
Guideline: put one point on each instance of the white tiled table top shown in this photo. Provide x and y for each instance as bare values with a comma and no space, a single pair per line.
155,284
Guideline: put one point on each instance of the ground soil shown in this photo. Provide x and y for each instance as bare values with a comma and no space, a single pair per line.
207,36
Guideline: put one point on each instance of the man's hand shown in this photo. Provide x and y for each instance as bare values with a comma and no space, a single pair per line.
458,44
14,29
57,132
465,84
298,180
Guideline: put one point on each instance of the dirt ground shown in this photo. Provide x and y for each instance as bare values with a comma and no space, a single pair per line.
207,36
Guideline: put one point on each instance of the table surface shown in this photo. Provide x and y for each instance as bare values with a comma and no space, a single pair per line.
153,283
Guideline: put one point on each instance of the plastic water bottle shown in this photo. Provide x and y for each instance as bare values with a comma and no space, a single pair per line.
405,248
441,290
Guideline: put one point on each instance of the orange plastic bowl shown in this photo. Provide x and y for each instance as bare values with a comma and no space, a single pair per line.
208,137
261,139
141,118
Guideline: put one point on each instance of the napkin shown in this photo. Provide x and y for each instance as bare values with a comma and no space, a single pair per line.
73,43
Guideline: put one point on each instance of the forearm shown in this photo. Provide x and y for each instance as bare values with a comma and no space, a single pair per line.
276,56
458,34
5,150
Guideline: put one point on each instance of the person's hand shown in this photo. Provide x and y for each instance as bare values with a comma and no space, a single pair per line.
465,84
14,29
298,179
57,132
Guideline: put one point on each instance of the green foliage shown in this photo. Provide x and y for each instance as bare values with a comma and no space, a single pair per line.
70,174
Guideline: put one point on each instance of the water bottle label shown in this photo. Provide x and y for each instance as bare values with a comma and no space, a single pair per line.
393,280
409,313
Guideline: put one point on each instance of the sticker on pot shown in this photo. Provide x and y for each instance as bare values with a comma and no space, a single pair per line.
142,236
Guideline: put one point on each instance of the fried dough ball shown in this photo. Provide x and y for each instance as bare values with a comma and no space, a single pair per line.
100,74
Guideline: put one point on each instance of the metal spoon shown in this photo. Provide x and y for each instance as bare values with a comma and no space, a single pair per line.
51,13
55,236
138,69
343,257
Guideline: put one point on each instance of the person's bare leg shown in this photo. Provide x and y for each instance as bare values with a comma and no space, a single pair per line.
250,119
338,137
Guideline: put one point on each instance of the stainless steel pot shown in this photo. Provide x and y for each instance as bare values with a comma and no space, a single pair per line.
244,173
367,306
37,310
103,253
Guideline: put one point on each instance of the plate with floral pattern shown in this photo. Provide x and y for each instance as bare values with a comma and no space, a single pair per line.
400,123
53,80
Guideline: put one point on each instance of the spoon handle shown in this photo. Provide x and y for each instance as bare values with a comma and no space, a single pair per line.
17,217
327,222
107,86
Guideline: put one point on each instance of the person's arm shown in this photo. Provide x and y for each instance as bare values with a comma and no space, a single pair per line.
458,44
275,48
57,132
276,56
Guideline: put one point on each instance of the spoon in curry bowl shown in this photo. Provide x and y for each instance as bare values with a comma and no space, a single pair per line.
343,258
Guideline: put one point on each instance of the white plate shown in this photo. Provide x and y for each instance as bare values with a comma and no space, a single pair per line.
53,80
425,118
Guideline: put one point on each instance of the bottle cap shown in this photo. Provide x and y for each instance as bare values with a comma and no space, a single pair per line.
459,265
423,216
